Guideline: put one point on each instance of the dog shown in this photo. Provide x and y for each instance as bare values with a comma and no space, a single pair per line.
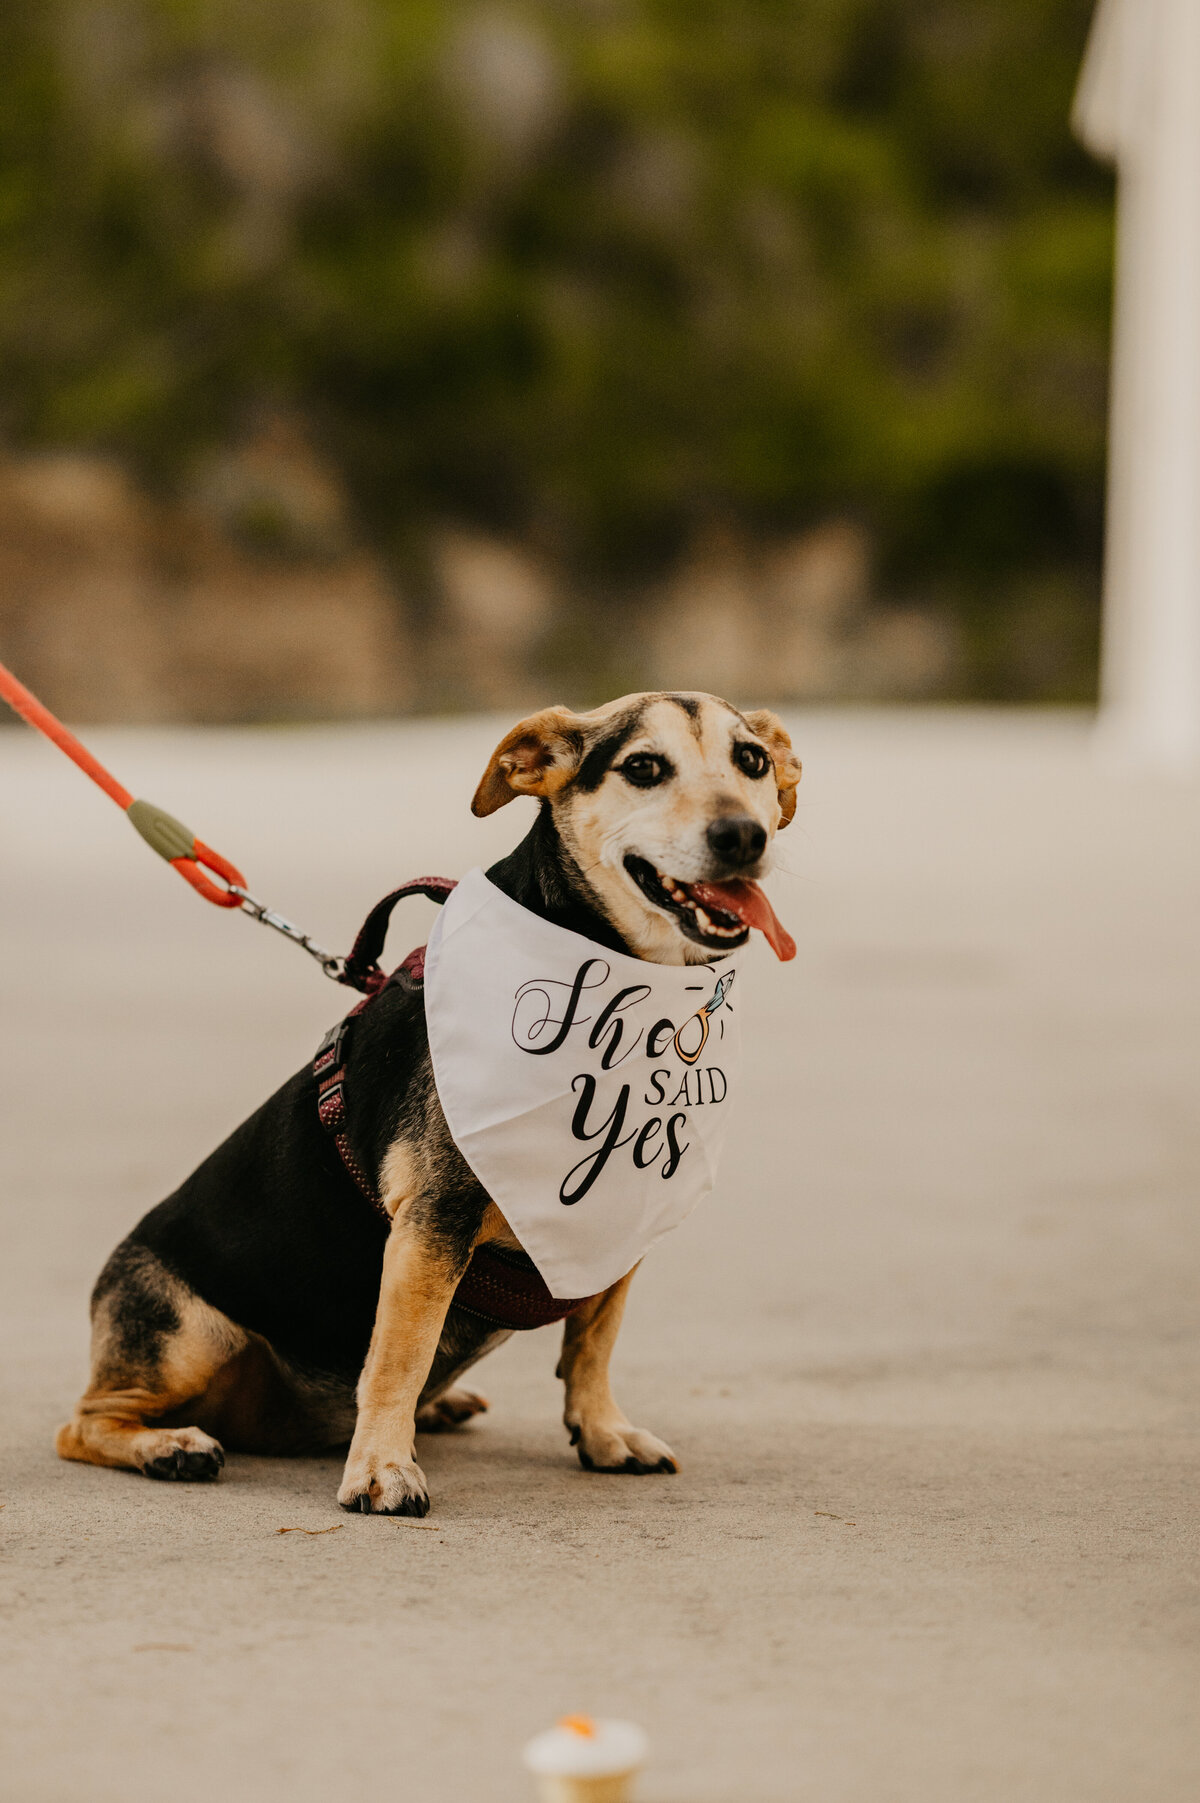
264,1306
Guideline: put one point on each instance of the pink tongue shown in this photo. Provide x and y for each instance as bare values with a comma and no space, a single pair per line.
747,901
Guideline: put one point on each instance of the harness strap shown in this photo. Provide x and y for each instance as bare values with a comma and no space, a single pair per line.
362,969
507,1288
502,1287
330,1071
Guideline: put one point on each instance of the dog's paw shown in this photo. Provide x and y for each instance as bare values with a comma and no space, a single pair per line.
450,1410
615,1446
183,1454
382,1486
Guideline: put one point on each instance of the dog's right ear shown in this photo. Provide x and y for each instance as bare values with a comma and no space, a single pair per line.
538,757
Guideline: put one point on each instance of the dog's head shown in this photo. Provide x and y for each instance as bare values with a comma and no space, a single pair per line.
668,804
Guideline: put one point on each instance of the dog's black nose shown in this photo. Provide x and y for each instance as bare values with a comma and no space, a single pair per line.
737,839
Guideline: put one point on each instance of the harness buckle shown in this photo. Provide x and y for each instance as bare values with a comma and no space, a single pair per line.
329,1052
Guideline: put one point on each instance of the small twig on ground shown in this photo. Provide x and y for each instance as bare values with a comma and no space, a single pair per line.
336,1529
830,1516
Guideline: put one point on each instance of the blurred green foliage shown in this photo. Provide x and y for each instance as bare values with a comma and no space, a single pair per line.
592,272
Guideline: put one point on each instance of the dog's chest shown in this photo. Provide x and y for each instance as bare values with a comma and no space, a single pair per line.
588,1091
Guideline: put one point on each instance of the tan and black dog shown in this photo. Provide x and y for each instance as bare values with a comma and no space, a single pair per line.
267,1305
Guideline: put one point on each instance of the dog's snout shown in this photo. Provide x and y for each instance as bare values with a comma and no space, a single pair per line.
737,839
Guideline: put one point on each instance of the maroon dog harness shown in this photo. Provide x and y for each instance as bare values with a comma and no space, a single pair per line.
500,1286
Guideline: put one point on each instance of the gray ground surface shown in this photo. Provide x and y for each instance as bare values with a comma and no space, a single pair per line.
928,1357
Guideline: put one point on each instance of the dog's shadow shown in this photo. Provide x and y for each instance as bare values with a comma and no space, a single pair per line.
472,1472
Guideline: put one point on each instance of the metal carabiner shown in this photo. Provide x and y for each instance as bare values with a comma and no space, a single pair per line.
330,963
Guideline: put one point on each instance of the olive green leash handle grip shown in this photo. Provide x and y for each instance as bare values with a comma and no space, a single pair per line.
185,853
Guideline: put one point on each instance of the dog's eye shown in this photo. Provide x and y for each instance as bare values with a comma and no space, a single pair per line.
751,760
644,770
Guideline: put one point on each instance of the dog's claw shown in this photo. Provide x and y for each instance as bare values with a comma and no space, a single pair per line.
408,1505
617,1458
201,1466
412,1505
178,1465
185,1461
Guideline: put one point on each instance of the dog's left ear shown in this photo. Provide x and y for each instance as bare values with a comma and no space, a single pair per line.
538,757
772,732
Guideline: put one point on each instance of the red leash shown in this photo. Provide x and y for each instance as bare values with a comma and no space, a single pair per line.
168,836
170,839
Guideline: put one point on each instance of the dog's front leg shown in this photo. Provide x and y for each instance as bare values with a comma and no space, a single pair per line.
597,1426
420,1275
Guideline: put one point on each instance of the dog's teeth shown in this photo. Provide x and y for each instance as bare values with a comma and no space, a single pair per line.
704,921
711,930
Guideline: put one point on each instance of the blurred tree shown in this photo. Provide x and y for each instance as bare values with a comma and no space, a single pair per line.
592,272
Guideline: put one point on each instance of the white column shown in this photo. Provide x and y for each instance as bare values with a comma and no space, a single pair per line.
1139,101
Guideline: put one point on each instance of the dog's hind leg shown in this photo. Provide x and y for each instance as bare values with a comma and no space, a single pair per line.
111,1429
155,1348
453,1409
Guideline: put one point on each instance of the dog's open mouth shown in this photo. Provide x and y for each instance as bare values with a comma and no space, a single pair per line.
718,916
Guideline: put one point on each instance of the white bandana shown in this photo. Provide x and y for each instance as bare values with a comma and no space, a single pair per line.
588,1091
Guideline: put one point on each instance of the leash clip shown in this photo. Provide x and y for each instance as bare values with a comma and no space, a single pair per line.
332,965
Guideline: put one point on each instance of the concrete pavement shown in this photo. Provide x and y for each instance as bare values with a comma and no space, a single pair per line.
928,1357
